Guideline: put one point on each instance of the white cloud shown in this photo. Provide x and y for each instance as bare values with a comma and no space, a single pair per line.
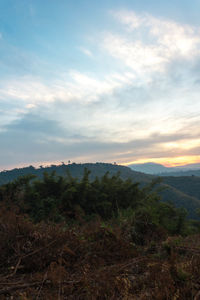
76,86
30,106
86,51
152,43
136,55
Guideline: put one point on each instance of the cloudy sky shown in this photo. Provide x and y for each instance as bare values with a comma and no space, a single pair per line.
107,81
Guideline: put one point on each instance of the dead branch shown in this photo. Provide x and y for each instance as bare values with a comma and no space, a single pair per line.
16,268
18,287
39,250
41,286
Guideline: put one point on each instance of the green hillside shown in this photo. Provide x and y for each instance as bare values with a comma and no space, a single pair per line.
181,173
189,185
182,191
180,199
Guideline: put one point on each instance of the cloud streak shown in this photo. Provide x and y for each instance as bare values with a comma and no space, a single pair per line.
34,138
75,86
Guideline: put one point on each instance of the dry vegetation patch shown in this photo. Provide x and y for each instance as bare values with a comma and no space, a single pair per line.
91,261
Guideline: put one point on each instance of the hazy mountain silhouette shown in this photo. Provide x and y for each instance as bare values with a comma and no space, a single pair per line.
158,169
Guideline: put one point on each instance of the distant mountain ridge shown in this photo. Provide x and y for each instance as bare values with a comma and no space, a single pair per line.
158,169
76,170
149,168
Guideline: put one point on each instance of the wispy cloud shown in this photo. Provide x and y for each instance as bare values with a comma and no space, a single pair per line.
152,43
86,51
35,138
76,86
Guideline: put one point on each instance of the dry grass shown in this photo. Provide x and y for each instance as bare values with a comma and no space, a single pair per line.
48,261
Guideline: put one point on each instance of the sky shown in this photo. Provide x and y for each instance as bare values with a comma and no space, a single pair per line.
99,81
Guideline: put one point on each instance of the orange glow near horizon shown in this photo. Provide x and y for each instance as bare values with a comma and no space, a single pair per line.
165,161
168,161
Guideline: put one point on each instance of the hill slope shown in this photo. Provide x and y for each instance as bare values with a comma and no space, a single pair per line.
77,170
189,185
183,192
181,173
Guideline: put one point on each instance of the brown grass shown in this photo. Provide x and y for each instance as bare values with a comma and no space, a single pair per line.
91,261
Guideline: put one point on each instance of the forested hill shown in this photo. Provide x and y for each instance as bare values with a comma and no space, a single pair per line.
182,191
76,170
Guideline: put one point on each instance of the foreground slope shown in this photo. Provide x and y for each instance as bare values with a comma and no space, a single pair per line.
93,262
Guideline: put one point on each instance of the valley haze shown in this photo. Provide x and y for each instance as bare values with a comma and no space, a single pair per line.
153,168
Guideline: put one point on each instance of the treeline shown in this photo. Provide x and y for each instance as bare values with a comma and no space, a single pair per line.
66,199
182,191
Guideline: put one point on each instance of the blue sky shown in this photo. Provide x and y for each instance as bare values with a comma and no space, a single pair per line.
91,81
